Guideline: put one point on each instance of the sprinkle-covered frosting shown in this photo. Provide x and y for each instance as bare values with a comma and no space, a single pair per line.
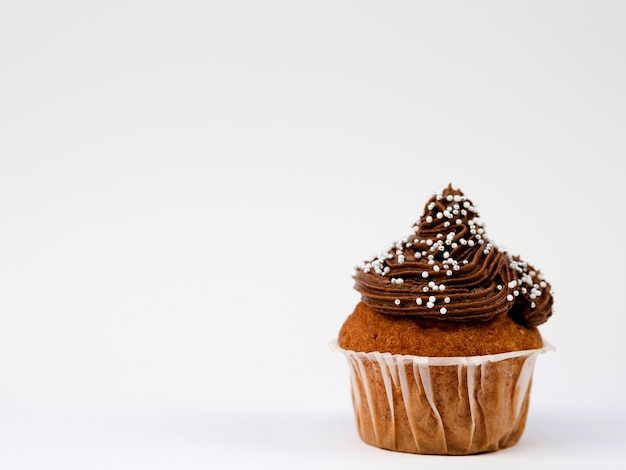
449,270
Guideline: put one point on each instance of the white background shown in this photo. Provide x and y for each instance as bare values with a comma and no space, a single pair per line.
185,188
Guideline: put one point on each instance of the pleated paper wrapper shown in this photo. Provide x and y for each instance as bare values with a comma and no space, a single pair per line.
441,405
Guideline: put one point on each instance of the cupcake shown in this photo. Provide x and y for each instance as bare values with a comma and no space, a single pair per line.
442,344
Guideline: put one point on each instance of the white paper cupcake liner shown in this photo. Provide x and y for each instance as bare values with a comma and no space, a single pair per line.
441,405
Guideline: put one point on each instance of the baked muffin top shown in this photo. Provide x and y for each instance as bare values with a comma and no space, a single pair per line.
365,331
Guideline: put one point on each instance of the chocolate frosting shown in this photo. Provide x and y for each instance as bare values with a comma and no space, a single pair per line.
449,270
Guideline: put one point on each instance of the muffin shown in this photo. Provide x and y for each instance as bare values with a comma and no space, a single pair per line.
443,342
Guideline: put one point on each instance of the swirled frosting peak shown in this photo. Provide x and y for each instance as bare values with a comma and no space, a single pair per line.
448,269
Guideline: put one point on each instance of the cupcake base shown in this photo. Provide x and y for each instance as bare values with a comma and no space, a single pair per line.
441,405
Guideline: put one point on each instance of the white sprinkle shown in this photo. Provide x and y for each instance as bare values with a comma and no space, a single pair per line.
432,299
425,274
431,284
439,215
397,301
499,287
430,304
509,298
459,221
470,242
457,198
443,310
425,288
418,301
436,268
429,242
442,287
446,300
512,284
446,255
449,197
417,255
429,219
399,281
449,273
533,305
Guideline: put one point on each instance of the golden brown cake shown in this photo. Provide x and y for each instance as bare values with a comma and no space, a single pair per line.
443,342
